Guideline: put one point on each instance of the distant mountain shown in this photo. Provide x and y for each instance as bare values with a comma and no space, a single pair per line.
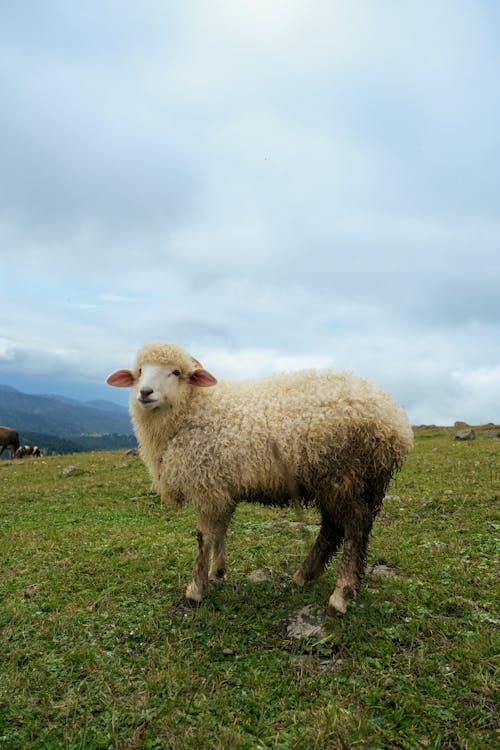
64,399
101,403
96,403
61,416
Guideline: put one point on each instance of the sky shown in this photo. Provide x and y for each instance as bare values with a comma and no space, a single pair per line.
271,184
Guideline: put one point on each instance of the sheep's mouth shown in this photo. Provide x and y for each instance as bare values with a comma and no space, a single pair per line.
147,402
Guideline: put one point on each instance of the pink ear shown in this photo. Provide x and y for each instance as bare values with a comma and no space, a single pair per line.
121,379
202,378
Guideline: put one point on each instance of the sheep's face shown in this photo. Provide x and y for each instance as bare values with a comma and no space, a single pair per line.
157,385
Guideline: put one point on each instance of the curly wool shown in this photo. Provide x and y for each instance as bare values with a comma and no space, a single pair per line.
326,438
244,440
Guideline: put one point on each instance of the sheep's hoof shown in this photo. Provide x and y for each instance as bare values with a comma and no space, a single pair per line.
334,612
183,607
219,580
337,604
191,603
298,578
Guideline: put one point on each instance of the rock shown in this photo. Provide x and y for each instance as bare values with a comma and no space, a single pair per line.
70,470
383,570
258,576
308,622
492,433
132,452
465,435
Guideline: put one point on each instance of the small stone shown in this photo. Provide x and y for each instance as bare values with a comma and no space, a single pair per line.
383,570
308,622
227,652
258,576
69,470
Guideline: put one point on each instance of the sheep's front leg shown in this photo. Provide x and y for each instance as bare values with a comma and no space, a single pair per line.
211,538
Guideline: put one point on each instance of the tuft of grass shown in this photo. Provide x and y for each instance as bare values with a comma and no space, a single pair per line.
96,651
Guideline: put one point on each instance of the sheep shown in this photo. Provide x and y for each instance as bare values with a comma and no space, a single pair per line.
9,439
330,439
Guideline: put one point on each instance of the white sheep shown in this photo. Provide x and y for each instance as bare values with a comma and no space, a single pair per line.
330,439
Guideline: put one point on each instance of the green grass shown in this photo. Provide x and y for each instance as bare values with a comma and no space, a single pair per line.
97,653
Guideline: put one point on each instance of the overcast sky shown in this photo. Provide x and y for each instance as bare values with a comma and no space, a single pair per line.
272,184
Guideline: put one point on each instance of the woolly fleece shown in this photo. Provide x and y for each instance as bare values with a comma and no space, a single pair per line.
240,440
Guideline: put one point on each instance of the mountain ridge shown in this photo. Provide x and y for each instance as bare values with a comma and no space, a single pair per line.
60,415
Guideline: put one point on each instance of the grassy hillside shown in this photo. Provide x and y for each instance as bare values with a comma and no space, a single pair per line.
97,653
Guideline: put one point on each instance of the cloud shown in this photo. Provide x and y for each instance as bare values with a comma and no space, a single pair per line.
107,297
272,184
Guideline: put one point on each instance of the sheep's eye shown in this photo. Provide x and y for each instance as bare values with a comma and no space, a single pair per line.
176,373
140,370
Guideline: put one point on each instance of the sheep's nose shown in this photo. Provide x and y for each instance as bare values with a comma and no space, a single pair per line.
145,393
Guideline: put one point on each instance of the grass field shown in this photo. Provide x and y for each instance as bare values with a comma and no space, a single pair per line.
97,653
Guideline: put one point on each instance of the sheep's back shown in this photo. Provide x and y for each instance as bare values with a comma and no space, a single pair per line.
255,436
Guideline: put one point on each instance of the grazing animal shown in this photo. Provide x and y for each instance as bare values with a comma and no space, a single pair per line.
27,450
9,439
329,439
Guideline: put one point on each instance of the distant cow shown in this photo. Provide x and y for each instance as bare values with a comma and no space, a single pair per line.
9,439
27,450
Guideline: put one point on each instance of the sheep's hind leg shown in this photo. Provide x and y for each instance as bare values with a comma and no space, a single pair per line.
352,564
327,542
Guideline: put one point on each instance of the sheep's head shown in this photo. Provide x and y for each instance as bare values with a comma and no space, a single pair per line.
161,376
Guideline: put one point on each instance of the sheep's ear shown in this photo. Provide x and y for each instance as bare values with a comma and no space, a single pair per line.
121,379
202,378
